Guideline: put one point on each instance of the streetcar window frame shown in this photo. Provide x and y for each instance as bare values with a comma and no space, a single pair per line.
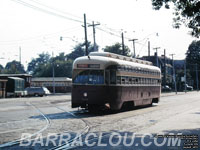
118,79
90,77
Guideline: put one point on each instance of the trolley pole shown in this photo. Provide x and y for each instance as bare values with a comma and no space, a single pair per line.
93,25
133,40
174,76
85,29
197,78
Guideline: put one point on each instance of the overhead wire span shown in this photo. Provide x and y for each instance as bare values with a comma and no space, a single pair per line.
45,11
60,11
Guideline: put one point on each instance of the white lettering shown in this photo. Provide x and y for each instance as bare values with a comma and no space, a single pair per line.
25,139
99,141
132,140
53,139
38,140
87,139
64,138
142,140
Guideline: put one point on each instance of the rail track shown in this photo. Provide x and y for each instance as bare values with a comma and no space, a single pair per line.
16,142
148,123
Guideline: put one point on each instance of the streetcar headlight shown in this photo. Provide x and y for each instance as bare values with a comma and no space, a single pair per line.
85,94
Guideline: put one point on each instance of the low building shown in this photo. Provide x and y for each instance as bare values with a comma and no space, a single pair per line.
62,84
3,88
26,77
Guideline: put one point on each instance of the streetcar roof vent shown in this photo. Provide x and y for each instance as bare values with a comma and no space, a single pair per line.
116,56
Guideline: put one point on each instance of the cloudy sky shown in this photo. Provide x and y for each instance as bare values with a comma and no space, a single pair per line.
36,27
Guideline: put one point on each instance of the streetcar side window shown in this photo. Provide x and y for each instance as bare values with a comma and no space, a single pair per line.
112,77
118,80
127,80
123,80
107,76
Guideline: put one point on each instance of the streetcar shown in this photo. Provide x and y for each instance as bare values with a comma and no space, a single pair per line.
107,80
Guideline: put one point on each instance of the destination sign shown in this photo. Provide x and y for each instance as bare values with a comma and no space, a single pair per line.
88,65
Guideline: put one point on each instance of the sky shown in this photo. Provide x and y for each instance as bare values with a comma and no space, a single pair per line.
35,26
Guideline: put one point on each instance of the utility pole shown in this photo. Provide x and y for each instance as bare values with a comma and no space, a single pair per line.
133,40
85,29
123,48
149,47
174,76
20,58
185,75
93,25
156,48
164,81
197,78
53,73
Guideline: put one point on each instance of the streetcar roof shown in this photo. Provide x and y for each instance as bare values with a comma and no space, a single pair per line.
107,61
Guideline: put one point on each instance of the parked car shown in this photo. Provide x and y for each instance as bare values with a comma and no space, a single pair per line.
166,88
37,91
190,88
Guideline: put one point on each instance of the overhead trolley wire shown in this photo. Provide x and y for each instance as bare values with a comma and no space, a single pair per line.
49,7
45,11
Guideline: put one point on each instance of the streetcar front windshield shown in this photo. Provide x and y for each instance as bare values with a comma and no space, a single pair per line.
90,77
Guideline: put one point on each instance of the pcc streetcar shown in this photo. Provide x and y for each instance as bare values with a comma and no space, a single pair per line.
110,80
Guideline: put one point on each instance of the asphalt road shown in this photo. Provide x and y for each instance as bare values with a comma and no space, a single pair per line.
50,122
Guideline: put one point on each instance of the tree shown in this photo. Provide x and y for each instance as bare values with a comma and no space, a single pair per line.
186,12
1,68
117,49
62,66
43,65
193,59
14,67
36,62
79,50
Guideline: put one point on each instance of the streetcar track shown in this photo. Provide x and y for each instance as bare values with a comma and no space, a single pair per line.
16,121
84,132
139,127
8,144
87,128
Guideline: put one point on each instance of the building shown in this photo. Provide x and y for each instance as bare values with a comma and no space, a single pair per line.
62,84
3,88
165,65
26,77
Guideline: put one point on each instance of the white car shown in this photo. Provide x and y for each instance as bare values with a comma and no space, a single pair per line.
37,91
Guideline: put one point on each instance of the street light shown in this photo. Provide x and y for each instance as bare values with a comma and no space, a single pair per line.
61,38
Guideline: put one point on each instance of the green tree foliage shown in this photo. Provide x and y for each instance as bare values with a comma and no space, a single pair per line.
187,12
1,68
79,50
193,53
43,66
117,49
37,62
193,59
14,67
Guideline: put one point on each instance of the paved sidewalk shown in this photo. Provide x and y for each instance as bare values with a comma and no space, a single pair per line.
178,93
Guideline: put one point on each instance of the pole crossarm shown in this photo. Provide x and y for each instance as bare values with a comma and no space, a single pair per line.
133,40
